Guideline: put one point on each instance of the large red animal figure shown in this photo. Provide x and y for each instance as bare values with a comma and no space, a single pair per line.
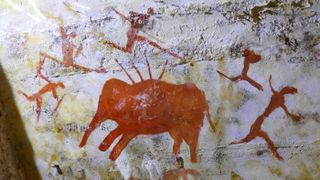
150,107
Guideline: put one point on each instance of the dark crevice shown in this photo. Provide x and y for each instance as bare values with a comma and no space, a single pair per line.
14,129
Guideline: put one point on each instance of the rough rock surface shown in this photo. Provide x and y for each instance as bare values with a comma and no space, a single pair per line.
211,35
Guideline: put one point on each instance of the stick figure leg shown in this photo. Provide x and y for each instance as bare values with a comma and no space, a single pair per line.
130,43
248,138
38,110
253,83
271,146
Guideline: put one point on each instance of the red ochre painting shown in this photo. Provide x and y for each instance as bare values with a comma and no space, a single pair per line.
277,101
137,22
151,106
250,57
149,123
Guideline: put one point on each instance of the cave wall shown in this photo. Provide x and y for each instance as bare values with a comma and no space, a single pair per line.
206,37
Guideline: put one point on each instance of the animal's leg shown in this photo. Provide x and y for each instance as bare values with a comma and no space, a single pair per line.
230,78
193,149
38,110
154,44
271,146
253,83
106,143
191,135
98,118
123,142
177,140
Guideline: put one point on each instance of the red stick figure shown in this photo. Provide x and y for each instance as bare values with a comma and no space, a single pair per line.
50,87
277,100
138,21
181,172
150,107
250,57
39,68
68,53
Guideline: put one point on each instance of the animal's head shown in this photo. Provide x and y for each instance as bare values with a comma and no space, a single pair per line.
289,90
60,84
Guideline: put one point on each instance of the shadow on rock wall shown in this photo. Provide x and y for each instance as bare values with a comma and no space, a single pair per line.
17,140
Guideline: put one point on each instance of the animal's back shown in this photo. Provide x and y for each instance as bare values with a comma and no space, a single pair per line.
160,106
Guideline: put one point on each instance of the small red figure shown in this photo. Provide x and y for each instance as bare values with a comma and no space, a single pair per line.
68,51
250,57
138,21
181,172
277,100
150,107
50,87
39,68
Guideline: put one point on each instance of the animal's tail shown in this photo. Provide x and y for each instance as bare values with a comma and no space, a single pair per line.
210,120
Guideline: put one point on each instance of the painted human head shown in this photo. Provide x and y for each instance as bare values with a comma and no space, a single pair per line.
289,90
150,11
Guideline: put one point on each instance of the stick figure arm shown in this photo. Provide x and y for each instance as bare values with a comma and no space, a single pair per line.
292,116
273,91
121,15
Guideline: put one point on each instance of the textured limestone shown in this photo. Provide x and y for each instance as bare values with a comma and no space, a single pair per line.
211,35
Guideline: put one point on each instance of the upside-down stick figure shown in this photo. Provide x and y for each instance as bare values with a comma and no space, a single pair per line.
50,87
250,57
68,53
138,21
277,100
